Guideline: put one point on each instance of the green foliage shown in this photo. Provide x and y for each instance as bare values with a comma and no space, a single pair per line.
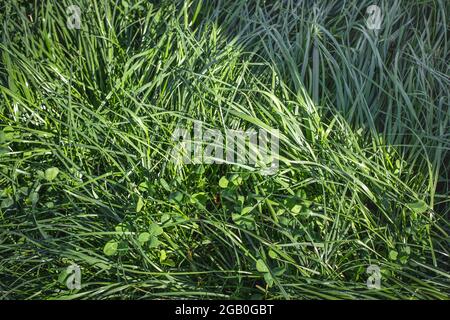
110,248
51,173
223,182
86,123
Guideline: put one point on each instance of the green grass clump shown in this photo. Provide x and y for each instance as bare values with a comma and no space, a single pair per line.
86,118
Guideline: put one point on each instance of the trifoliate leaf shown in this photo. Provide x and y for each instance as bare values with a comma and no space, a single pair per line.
296,208
268,278
223,182
261,266
200,198
121,228
6,203
51,173
407,250
176,196
110,248
34,197
155,230
279,271
236,179
144,237
165,217
273,254
154,242
247,221
169,262
418,207
393,255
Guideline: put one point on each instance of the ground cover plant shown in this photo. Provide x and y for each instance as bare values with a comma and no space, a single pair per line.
87,114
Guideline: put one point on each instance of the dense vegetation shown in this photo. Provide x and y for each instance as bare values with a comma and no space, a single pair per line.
86,117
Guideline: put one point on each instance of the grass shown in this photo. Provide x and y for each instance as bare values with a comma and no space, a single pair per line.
86,118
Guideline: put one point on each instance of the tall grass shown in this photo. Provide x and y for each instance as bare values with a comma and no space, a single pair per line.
364,137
